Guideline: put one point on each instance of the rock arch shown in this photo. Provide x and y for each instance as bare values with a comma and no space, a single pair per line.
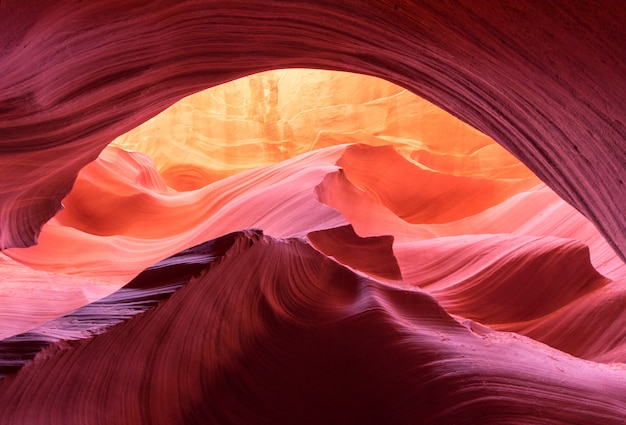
547,81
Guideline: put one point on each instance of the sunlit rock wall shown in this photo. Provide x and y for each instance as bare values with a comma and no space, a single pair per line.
127,211
384,211
544,80
404,267
273,116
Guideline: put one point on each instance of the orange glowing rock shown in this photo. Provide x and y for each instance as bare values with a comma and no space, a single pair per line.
128,210
418,195
510,307
150,205
449,242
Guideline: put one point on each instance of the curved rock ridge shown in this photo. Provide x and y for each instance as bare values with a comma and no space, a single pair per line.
151,286
545,80
121,217
575,329
544,288
372,255
113,226
530,209
432,197
501,278
303,339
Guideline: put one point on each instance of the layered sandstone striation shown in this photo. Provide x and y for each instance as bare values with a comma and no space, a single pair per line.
544,80
306,340
308,246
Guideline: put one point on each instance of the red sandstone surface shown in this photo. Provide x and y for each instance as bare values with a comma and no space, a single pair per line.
403,267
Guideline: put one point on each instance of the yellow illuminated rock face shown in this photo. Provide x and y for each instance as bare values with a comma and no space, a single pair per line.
272,116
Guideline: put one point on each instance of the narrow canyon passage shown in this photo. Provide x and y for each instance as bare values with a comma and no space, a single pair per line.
415,203
215,212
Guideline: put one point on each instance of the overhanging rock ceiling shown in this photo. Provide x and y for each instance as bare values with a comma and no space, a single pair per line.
544,80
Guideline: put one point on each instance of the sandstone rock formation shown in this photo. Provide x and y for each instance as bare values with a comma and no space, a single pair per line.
308,246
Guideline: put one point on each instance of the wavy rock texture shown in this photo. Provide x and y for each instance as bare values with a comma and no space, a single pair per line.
29,298
408,269
125,212
545,80
154,284
305,340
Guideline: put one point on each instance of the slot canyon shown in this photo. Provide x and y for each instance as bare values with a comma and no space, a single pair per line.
312,212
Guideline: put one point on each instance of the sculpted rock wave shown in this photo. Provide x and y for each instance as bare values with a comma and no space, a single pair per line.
275,332
410,269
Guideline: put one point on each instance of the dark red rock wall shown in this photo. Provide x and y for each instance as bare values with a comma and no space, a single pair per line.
305,340
546,80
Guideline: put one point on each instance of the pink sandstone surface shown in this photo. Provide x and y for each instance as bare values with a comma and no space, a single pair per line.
406,268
